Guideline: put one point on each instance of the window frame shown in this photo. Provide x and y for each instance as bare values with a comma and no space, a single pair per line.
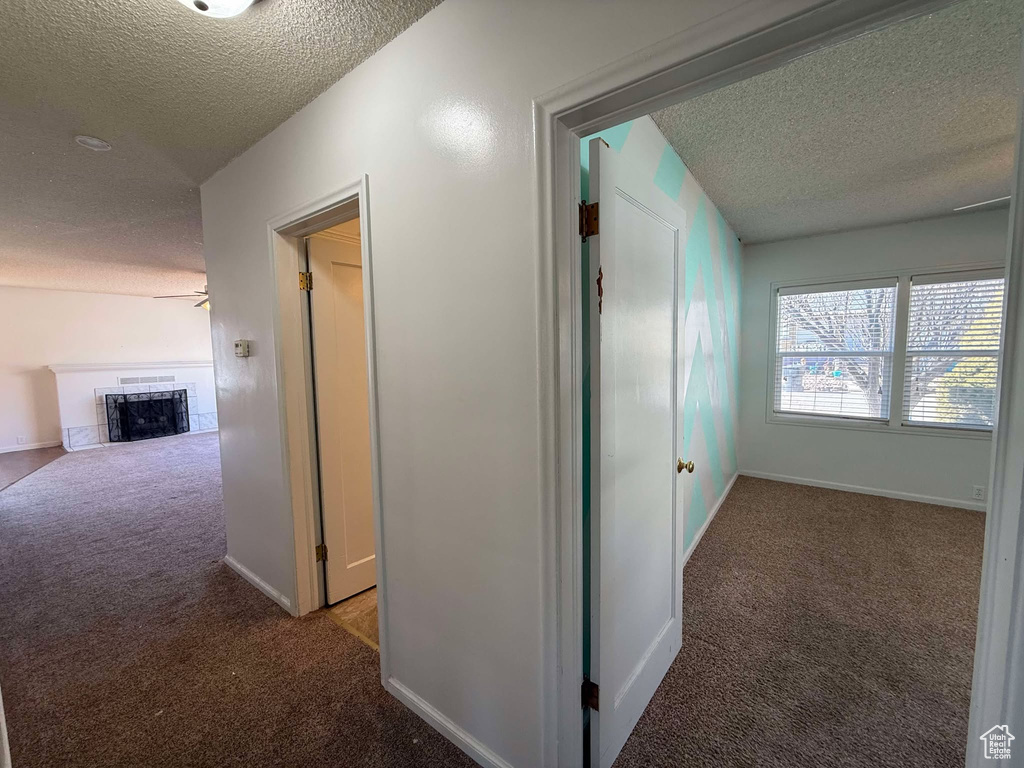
903,277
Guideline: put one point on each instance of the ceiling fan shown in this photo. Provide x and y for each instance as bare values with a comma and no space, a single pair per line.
204,303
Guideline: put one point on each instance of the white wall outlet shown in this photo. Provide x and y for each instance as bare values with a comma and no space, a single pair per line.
979,492
22,439
241,348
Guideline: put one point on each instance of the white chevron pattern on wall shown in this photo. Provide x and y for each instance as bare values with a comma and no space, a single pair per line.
711,294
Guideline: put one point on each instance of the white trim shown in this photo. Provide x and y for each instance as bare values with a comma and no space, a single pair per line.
5,752
943,502
792,419
31,446
837,285
711,516
696,61
84,367
445,726
340,237
285,235
259,583
997,694
930,277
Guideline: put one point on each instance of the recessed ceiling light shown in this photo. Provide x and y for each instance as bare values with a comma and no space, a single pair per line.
217,9
91,142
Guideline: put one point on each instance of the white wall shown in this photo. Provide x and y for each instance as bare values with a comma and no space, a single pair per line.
932,468
40,328
441,120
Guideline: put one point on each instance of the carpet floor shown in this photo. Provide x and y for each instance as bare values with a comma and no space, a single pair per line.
126,641
820,628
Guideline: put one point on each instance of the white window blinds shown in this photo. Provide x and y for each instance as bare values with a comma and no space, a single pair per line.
834,350
952,352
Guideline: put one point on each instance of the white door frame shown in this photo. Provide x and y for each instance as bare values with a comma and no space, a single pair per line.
292,341
687,65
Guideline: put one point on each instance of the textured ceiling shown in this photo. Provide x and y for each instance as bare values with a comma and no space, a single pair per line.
178,96
905,123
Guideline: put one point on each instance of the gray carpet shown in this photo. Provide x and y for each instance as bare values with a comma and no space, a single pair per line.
820,628
125,641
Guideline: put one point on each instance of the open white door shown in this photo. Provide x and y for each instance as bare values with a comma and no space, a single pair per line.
636,521
343,415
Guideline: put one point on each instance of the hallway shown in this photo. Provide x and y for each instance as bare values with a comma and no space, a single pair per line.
125,640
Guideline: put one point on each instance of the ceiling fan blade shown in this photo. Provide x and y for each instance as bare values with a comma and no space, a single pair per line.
178,296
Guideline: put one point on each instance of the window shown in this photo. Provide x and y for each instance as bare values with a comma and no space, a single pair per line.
834,351
905,352
952,352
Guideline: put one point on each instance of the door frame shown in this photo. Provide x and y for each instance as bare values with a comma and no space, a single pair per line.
293,341
689,64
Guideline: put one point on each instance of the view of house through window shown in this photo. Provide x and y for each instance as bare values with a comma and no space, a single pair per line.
835,350
952,352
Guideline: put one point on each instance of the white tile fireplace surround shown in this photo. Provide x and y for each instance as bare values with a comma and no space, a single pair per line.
82,391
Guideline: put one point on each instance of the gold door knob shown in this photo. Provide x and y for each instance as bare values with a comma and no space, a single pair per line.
687,465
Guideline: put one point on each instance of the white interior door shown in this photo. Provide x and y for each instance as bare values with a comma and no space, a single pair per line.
343,415
636,521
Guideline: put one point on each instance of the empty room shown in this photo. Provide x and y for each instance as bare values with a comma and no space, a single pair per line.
521,384
839,283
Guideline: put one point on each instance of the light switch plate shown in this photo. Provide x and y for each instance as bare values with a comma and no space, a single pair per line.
241,347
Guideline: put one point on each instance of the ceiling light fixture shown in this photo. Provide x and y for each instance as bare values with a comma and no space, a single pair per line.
91,142
985,202
217,9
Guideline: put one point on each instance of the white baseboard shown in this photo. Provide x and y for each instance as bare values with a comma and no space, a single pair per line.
444,726
5,752
959,503
30,446
711,516
259,583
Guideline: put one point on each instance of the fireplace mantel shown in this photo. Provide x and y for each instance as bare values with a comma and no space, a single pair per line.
87,367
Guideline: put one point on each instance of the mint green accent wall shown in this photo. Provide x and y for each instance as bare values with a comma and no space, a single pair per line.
711,301
670,174
693,523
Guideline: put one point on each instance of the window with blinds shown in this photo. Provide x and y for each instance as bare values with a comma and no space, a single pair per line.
952,352
834,350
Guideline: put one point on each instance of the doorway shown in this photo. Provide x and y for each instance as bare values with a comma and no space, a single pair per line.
322,257
920,282
341,399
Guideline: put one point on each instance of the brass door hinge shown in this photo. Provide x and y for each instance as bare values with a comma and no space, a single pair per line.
590,695
321,553
305,281
588,220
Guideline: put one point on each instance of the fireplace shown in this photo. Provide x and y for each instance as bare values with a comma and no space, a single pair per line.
144,415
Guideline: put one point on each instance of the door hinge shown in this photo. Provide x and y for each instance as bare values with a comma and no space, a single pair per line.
305,281
589,695
588,220
321,553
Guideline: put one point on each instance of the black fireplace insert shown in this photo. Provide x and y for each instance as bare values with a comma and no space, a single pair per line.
143,415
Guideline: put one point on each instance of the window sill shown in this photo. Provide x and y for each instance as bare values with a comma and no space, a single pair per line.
865,425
